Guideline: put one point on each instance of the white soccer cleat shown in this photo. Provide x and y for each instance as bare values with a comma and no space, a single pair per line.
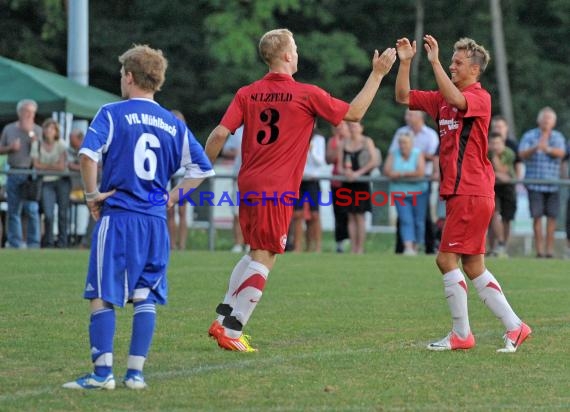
135,381
453,342
515,338
92,381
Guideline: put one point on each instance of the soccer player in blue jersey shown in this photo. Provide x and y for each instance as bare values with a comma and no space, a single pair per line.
141,146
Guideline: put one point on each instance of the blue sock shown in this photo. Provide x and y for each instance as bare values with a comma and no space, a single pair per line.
144,319
101,334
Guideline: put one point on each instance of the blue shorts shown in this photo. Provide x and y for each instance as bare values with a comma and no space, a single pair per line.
129,252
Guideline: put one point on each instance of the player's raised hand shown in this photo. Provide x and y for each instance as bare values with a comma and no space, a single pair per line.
95,205
406,50
382,63
432,48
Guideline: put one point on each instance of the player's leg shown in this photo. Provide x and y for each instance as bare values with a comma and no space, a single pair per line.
144,321
487,286
101,334
226,307
247,295
492,295
249,291
455,291
265,229
104,289
147,262
455,286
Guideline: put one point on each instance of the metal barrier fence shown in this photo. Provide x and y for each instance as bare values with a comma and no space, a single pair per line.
204,216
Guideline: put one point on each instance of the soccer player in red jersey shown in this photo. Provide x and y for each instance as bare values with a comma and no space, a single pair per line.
278,114
461,109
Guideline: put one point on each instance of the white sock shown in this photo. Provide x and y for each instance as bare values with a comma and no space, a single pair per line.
491,294
249,291
455,289
135,362
235,278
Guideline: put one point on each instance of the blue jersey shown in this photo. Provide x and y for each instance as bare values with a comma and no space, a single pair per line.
142,145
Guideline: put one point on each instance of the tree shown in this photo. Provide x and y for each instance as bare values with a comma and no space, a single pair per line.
501,64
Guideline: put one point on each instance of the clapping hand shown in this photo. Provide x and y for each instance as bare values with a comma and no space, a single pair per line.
383,62
432,48
406,51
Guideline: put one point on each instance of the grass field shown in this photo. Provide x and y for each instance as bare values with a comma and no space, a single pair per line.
334,332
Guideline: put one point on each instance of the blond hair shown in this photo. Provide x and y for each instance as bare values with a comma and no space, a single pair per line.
273,43
478,54
147,65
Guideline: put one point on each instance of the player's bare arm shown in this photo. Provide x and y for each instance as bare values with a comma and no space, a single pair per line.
381,65
449,91
215,142
186,185
406,52
93,197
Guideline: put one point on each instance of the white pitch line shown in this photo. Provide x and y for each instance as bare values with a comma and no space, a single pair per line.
197,370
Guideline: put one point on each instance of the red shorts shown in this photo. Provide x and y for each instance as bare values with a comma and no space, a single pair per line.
265,224
466,222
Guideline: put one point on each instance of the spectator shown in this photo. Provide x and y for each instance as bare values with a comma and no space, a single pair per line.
503,160
408,161
75,141
3,161
427,140
542,150
340,132
357,156
232,150
16,141
566,174
178,231
49,155
500,126
309,196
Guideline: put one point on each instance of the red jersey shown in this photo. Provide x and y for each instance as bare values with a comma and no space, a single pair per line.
278,115
464,165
